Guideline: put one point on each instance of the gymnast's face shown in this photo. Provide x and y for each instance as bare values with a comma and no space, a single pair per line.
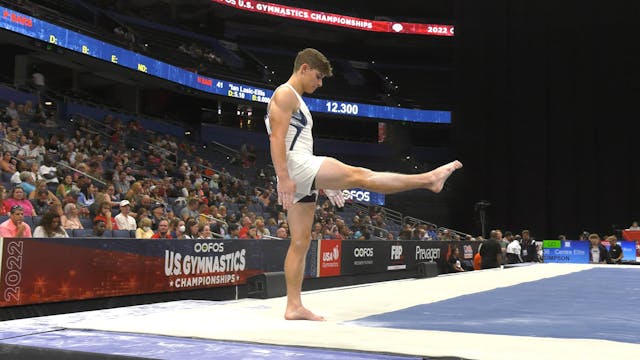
312,79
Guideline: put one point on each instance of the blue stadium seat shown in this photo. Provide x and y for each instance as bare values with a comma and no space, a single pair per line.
80,232
29,221
36,220
88,233
122,234
86,223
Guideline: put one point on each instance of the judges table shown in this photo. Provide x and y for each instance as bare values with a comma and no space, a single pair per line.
633,235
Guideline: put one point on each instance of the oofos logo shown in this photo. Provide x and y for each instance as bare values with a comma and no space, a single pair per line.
358,195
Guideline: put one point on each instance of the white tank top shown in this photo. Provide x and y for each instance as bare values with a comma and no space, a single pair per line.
299,137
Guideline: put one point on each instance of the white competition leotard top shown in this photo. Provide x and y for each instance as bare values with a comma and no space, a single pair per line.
298,138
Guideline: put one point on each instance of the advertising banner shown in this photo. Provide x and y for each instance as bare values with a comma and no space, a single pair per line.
364,257
566,251
363,196
339,20
329,258
359,257
62,269
34,271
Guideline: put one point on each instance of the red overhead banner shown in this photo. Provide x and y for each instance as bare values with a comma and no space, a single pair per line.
339,20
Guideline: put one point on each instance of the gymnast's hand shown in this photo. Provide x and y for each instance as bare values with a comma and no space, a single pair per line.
286,190
335,197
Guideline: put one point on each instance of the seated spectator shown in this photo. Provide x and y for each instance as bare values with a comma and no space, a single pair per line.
104,214
123,219
111,196
41,185
282,233
179,229
204,232
12,111
30,152
41,204
246,224
3,195
50,227
86,196
17,197
27,182
234,230
634,226
191,229
615,250
252,234
99,227
10,142
14,128
7,165
163,230
454,261
404,234
157,215
598,254
67,185
48,172
144,229
141,205
15,227
261,229
70,220
57,209
190,211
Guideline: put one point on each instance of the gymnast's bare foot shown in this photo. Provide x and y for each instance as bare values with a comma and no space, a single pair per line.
439,176
302,313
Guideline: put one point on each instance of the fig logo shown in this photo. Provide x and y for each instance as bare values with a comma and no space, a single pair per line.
397,27
396,252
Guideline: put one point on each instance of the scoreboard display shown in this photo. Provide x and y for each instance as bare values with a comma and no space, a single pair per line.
41,30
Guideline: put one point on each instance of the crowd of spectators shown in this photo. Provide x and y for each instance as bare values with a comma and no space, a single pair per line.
95,175
198,52
92,174
100,173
